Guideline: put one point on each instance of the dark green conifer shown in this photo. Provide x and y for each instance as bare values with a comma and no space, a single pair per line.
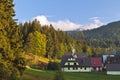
12,62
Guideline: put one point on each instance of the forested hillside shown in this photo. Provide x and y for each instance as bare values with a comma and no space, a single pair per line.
110,31
106,36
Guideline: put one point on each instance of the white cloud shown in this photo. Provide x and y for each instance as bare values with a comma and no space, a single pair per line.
67,25
95,24
43,19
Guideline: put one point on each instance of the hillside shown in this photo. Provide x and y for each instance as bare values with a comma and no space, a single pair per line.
106,36
110,31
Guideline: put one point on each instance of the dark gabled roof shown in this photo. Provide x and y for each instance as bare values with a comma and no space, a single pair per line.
81,58
113,67
65,58
85,61
113,60
81,55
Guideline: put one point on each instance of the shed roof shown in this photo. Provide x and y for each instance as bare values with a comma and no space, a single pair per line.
113,67
113,60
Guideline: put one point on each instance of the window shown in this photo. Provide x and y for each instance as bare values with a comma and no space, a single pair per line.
68,64
76,68
68,68
75,64
81,67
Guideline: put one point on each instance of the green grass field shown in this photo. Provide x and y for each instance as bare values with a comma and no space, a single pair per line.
33,74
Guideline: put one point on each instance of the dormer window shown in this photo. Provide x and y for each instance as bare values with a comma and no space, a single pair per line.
75,64
69,59
66,63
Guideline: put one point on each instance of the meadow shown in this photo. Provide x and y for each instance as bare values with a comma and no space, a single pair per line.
34,74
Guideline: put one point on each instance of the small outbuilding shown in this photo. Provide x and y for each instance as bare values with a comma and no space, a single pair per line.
96,63
113,69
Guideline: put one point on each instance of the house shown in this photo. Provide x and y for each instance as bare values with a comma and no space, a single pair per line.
113,65
42,65
75,63
96,63
104,58
113,69
69,63
43,62
84,64
115,59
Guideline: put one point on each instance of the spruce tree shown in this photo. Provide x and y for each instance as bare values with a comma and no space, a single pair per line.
12,61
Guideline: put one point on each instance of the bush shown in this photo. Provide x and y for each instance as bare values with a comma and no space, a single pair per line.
53,66
35,66
59,76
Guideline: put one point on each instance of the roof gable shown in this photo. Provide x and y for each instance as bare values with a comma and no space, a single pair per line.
111,60
81,58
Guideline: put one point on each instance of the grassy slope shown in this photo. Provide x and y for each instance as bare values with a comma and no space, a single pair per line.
34,59
32,74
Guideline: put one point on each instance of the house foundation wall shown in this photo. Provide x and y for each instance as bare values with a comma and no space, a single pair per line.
113,72
84,69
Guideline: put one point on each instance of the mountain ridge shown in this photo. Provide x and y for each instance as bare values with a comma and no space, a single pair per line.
111,29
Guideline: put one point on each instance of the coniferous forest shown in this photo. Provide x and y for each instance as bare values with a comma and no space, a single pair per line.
17,40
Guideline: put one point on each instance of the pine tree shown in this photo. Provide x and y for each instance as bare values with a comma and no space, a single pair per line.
12,63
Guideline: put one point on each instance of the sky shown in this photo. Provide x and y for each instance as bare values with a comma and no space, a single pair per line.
68,14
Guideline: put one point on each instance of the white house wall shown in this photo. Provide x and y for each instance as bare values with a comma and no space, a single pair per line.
113,72
88,69
65,69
